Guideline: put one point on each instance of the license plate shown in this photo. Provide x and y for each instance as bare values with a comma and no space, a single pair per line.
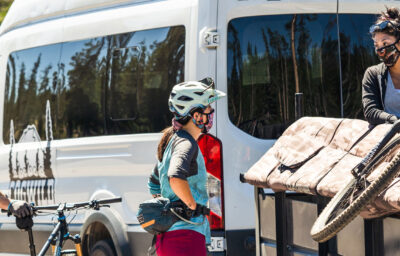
217,244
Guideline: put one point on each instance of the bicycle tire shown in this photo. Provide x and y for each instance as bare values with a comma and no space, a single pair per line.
324,229
386,150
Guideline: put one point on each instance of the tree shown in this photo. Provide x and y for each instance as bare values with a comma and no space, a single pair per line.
4,6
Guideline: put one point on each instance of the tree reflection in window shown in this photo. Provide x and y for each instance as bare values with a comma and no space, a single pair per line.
357,52
31,80
86,91
261,70
145,66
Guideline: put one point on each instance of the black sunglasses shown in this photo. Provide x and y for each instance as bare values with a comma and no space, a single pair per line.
389,48
382,26
208,114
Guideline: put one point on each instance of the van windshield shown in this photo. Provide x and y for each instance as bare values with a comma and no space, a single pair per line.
270,58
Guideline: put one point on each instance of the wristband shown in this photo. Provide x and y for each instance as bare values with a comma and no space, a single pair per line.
388,118
8,208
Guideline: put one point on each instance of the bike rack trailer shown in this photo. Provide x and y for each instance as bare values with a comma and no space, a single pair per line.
284,221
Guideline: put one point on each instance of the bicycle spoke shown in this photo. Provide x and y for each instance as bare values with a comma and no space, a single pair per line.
342,205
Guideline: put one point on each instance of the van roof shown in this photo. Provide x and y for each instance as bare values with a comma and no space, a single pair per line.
24,12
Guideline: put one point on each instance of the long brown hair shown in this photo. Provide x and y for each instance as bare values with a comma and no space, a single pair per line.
169,131
167,135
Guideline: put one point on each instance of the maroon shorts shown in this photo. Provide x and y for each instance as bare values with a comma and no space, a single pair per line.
181,243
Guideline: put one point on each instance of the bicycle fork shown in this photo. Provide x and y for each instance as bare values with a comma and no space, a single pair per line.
77,241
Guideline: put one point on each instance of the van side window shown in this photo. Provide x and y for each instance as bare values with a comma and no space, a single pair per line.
145,65
262,75
98,86
358,54
31,81
83,69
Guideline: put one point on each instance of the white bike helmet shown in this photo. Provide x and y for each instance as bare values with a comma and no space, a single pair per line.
193,94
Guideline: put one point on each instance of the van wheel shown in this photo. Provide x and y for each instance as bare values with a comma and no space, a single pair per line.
102,248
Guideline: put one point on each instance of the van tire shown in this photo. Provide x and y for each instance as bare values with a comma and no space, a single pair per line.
102,248
324,228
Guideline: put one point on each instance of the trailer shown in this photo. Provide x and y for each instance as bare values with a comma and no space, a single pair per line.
305,181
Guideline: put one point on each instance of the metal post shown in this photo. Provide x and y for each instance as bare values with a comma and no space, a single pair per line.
258,233
298,104
373,235
281,224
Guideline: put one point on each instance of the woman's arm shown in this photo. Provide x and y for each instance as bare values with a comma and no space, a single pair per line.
17,208
4,201
182,190
154,182
372,100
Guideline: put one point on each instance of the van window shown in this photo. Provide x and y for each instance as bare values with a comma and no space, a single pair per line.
357,54
31,81
144,68
98,86
262,74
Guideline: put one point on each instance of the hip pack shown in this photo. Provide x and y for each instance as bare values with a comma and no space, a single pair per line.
157,215
154,215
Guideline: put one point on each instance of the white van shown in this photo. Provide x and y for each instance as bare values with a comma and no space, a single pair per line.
84,88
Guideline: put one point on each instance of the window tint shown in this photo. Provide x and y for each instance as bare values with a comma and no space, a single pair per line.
145,66
31,81
83,69
262,70
104,85
357,54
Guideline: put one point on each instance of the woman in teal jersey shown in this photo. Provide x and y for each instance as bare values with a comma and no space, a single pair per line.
180,173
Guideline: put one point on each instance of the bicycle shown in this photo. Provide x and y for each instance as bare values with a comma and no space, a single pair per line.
359,192
60,232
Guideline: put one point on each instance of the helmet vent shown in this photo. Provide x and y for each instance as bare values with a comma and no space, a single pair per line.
199,93
180,107
173,94
185,98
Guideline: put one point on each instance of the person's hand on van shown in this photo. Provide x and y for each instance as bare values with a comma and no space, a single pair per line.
20,209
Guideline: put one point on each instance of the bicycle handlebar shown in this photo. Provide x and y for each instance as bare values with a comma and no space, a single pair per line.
72,206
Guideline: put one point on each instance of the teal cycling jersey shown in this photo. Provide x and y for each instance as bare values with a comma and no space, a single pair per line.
183,159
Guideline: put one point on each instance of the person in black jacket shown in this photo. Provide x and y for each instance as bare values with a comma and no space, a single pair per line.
381,83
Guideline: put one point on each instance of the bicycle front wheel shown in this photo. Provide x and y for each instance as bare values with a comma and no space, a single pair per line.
351,200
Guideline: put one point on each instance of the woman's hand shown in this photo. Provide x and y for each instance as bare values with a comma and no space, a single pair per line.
182,190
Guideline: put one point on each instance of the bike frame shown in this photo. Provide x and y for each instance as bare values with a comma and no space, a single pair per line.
60,232
358,171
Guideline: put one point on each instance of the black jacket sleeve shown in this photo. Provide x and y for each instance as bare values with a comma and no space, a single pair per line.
371,99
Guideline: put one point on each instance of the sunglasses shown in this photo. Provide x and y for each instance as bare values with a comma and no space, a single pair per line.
381,26
209,114
387,48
